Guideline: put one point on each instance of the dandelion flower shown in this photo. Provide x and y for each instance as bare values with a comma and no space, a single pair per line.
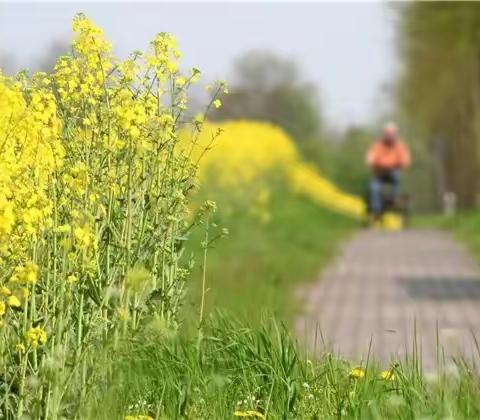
357,373
138,417
249,413
388,375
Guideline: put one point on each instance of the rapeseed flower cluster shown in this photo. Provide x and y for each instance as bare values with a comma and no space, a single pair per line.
94,186
36,336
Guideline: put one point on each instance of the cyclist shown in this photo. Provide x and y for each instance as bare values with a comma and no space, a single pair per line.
387,157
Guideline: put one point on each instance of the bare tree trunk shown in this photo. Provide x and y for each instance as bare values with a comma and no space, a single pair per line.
475,97
438,144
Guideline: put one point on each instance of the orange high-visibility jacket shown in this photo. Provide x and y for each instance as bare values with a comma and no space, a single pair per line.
394,156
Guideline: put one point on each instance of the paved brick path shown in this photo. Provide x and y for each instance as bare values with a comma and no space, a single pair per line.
386,283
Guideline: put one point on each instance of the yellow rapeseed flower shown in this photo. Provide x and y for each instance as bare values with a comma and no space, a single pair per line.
6,221
31,272
83,236
26,274
180,81
14,302
5,291
64,228
2,308
25,293
36,336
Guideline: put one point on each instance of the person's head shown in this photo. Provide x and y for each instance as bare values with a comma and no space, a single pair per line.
390,133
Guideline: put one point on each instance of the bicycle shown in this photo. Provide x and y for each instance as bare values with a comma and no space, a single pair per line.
400,206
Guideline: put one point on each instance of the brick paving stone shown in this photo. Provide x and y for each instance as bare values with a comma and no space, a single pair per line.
384,286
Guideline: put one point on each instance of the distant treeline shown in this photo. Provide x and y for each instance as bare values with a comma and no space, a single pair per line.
438,90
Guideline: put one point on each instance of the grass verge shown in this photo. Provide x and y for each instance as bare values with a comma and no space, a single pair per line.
238,371
258,267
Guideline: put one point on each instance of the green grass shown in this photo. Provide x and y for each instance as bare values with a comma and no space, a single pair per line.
251,363
465,226
258,267
239,368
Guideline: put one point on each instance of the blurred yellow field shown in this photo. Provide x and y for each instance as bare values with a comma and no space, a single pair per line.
246,154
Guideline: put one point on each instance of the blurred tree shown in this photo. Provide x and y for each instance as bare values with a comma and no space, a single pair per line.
263,71
47,60
418,181
7,62
270,88
439,89
340,156
351,171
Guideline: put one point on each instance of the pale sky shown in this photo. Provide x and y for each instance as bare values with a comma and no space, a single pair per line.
346,49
